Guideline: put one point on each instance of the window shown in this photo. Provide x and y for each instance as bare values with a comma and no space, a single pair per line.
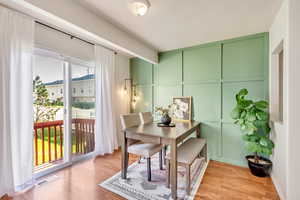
277,82
82,91
74,90
61,91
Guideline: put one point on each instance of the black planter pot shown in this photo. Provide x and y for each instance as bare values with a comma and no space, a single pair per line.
258,169
166,120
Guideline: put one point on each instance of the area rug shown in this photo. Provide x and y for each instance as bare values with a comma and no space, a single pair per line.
136,186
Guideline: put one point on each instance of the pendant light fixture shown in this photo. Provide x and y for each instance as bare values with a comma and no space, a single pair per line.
139,7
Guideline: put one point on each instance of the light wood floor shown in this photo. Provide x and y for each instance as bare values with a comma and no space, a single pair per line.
79,182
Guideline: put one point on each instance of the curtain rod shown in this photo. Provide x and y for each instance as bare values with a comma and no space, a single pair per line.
72,36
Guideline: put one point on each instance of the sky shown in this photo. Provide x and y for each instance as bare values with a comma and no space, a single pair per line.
50,69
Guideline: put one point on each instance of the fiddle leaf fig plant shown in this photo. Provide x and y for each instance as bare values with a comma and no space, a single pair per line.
253,119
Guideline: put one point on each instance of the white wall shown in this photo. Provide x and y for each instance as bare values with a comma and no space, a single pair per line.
70,16
122,100
293,192
277,33
286,135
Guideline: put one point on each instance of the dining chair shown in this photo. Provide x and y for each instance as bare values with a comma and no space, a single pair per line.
138,147
146,118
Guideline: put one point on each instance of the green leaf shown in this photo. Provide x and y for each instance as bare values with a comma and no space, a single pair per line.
266,151
243,115
246,137
243,92
263,142
261,104
241,121
262,115
243,127
251,116
253,147
235,113
265,128
251,138
245,103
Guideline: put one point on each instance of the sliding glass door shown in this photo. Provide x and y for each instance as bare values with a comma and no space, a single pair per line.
64,109
48,93
83,109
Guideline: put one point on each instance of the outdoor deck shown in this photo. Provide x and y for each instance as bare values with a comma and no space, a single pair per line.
49,140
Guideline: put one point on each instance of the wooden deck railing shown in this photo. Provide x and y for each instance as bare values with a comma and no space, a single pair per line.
48,139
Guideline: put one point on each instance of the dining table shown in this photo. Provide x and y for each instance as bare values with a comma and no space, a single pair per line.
152,133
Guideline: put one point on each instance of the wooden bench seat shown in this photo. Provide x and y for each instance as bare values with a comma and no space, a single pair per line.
186,155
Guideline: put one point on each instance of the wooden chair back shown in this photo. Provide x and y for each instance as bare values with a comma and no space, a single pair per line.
146,117
130,120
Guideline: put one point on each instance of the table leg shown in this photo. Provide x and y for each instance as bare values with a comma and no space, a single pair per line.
173,171
124,156
198,134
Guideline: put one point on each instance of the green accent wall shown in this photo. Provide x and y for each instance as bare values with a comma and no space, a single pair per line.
212,74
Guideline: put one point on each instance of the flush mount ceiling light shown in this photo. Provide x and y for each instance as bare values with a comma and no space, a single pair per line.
139,7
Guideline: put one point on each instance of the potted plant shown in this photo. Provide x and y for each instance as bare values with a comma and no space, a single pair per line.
253,119
164,113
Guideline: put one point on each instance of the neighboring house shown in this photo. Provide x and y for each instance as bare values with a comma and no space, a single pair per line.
83,89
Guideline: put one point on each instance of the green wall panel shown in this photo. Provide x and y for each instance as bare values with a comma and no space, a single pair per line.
244,59
212,74
155,74
140,71
202,64
170,68
144,103
166,93
206,100
233,147
212,133
256,92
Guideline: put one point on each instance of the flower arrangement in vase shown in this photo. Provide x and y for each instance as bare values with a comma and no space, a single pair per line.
165,114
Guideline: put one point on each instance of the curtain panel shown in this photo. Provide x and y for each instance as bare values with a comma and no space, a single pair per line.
106,135
16,109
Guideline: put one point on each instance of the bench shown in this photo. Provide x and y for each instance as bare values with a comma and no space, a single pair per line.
186,155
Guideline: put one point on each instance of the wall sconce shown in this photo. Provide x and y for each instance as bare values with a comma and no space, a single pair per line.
134,96
131,86
125,90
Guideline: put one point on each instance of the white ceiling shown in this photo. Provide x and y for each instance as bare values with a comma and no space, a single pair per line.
172,24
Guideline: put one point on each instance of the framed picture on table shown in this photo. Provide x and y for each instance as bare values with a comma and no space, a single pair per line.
182,108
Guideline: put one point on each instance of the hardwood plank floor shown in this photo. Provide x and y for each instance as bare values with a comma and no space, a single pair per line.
79,182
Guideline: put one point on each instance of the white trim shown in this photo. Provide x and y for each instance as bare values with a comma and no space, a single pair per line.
61,166
41,51
83,157
277,186
67,112
51,169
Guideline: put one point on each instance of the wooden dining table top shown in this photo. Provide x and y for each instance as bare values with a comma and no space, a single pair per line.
152,129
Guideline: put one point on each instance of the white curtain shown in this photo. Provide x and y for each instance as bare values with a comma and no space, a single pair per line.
16,109
106,134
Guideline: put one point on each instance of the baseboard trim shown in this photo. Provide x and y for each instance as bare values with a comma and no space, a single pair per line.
277,187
